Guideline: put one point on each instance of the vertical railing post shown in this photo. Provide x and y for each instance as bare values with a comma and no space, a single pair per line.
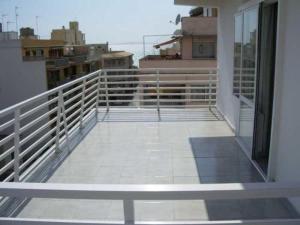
128,206
106,91
63,113
58,118
82,104
98,95
157,91
209,89
17,145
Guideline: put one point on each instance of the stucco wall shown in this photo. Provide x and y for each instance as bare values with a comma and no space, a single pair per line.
285,145
187,45
19,80
226,102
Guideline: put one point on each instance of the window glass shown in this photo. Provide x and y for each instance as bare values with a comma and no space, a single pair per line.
248,76
238,39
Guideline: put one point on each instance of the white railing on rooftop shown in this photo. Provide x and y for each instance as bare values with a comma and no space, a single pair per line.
39,127
36,128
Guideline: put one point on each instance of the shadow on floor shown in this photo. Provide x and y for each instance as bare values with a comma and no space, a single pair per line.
221,160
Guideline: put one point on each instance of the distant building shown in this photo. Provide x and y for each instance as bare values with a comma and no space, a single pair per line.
72,36
195,45
0,27
63,62
27,33
117,60
11,35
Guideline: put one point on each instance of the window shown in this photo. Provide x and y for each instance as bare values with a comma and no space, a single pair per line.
245,61
204,50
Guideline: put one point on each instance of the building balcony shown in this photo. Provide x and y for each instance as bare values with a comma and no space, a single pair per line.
143,146
197,26
55,63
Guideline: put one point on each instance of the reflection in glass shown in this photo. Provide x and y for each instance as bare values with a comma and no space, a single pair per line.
248,76
246,125
238,38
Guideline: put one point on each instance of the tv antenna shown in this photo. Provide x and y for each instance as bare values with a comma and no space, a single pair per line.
17,15
3,16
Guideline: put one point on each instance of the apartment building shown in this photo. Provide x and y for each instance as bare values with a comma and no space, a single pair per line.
193,46
117,60
72,36
8,35
63,62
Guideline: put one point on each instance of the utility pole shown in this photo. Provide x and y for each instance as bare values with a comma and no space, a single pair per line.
17,15
37,26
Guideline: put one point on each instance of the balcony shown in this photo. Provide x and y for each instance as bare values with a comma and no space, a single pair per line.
143,146
54,63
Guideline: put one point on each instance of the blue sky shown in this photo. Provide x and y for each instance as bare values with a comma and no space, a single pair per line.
115,21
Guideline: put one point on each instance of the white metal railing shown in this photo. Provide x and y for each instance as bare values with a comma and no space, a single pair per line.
39,126
131,193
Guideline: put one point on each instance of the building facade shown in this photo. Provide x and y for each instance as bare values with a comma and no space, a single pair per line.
72,36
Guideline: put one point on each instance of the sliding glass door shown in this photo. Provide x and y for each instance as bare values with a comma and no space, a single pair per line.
245,71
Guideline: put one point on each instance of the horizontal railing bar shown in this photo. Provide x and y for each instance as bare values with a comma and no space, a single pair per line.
90,88
31,158
30,221
72,90
7,124
161,94
9,178
162,69
151,192
25,140
45,94
72,99
154,100
162,82
90,101
6,139
73,114
6,167
35,121
37,142
162,74
162,106
7,153
28,113
72,107
160,88
92,80
90,95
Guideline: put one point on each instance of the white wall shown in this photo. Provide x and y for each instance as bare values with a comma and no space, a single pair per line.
19,80
226,102
285,144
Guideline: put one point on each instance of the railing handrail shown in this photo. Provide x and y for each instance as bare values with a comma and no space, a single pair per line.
54,90
46,93
152,192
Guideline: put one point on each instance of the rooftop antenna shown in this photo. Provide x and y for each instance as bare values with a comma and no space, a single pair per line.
37,25
17,15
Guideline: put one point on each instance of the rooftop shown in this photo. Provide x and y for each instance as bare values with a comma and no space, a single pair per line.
118,54
92,146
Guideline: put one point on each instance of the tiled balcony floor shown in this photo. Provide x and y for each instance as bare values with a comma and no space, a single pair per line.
141,152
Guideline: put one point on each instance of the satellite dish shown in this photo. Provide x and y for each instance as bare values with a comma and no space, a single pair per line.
178,19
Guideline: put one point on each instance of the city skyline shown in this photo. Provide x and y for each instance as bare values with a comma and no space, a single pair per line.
100,25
